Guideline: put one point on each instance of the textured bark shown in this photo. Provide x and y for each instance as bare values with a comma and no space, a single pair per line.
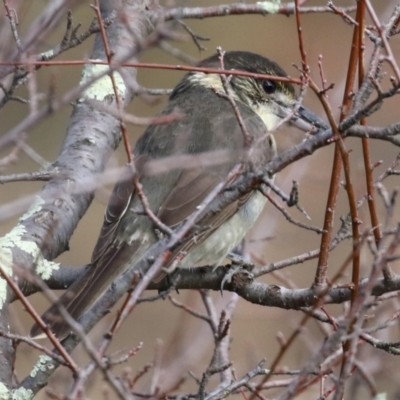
7,353
91,137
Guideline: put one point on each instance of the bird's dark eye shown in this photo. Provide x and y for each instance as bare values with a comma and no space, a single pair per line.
269,86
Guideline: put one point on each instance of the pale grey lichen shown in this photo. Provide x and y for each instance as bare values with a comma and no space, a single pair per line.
41,365
45,268
4,392
17,394
6,262
47,55
101,89
22,394
14,238
270,7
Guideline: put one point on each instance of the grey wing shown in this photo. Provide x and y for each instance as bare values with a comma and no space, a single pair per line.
116,209
193,185
222,129
173,212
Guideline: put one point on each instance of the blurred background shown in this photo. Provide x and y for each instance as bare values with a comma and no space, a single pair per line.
254,328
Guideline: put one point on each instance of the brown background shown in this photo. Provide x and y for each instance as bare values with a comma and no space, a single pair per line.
254,328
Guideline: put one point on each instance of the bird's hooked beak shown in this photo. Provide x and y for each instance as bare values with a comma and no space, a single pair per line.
302,118
306,120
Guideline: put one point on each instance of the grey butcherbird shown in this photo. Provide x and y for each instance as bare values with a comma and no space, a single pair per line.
209,123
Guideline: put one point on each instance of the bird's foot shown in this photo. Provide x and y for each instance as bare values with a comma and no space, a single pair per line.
241,261
238,275
171,281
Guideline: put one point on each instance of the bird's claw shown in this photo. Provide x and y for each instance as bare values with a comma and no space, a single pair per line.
240,261
237,274
171,280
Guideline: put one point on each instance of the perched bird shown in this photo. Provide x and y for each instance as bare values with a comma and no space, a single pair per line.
209,123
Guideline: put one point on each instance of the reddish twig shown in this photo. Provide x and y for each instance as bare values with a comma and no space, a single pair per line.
304,64
170,67
320,275
319,302
31,310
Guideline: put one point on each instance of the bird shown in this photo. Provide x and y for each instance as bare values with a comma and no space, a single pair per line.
209,122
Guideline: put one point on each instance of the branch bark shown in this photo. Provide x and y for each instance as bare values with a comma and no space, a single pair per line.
45,230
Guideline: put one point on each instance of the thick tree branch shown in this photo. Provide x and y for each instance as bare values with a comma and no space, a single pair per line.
44,231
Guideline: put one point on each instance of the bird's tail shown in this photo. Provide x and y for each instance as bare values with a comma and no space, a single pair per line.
86,290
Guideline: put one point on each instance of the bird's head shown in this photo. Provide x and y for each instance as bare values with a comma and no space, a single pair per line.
272,100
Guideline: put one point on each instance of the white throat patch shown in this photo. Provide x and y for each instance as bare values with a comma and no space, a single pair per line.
268,117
